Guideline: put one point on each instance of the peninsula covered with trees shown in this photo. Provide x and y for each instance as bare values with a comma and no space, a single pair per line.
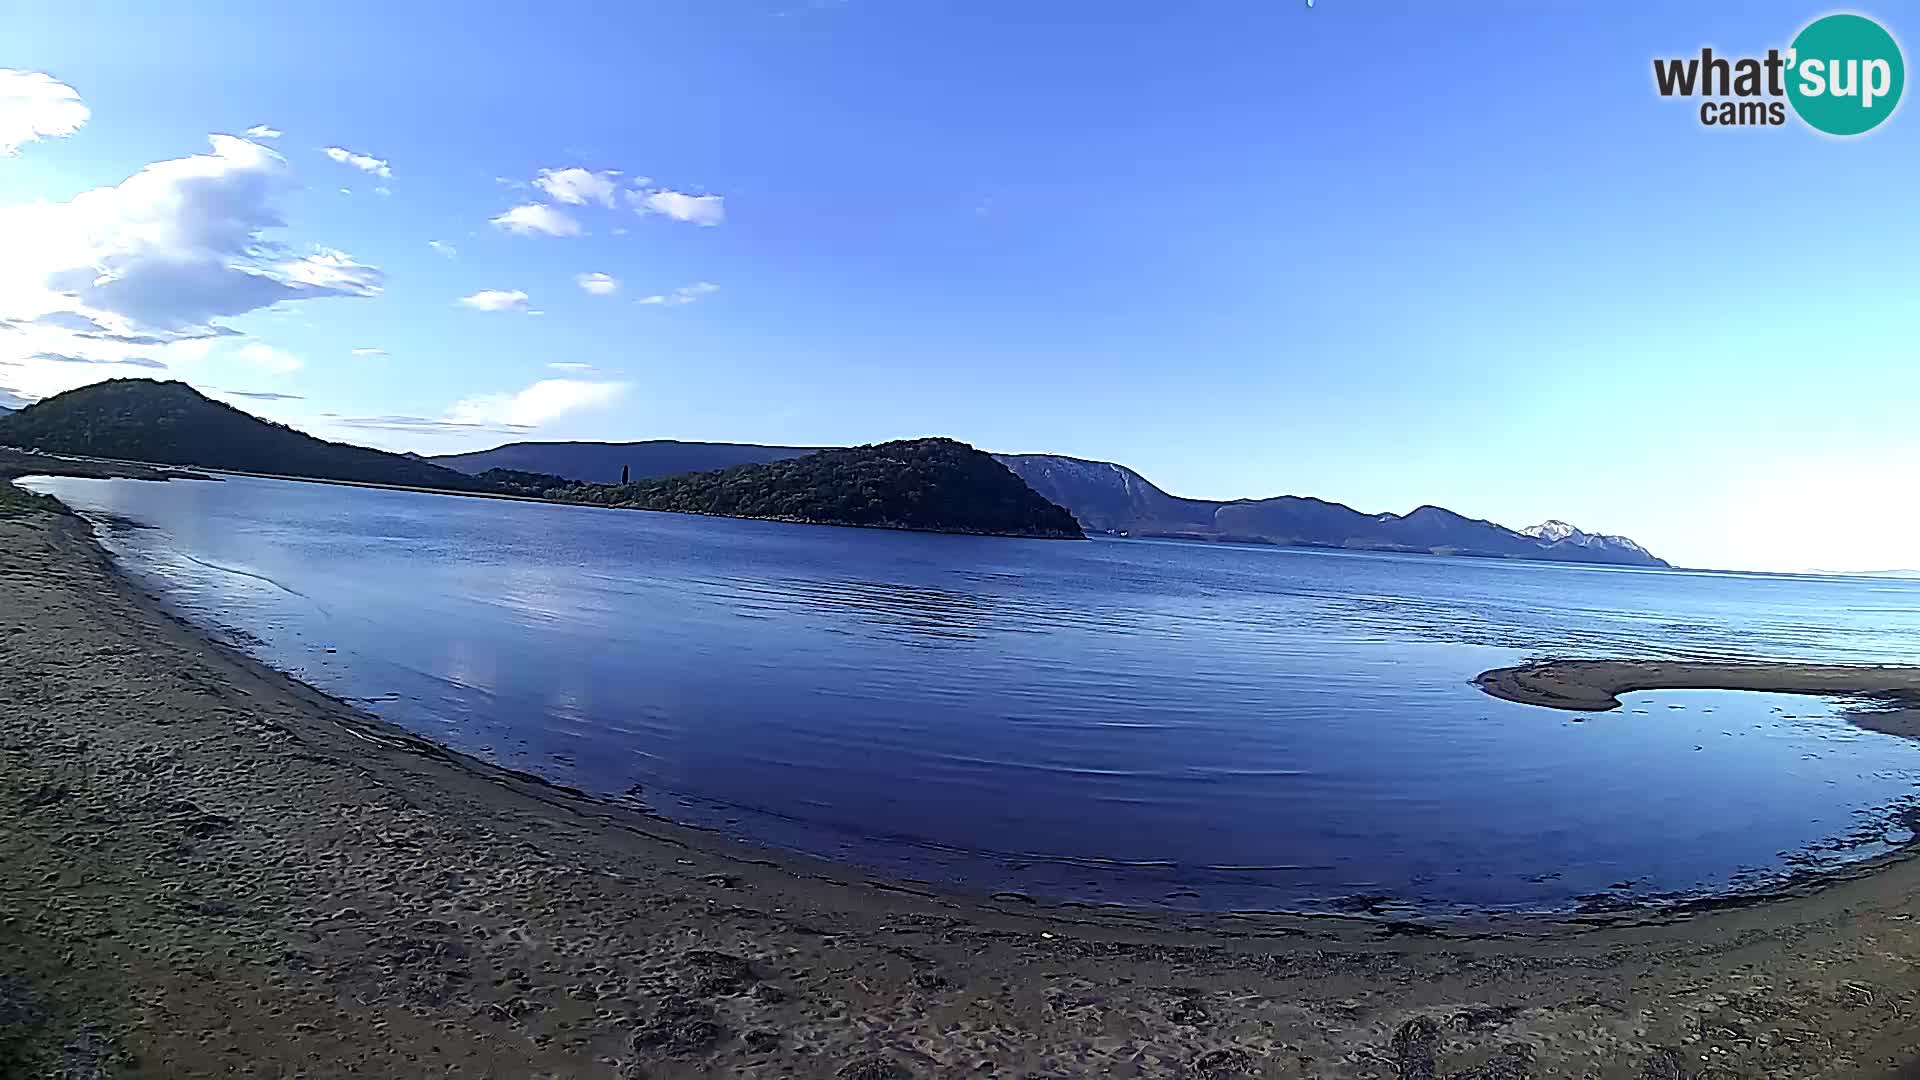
932,485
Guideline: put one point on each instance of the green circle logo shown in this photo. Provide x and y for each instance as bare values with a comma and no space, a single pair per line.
1845,74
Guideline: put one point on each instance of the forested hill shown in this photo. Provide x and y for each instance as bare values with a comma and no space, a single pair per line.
604,463
170,423
933,485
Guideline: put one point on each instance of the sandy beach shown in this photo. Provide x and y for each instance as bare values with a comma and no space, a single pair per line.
1888,697
209,869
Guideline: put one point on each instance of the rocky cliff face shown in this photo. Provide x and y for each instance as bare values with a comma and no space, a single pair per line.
1106,497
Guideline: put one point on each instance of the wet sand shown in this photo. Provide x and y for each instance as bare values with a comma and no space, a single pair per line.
207,868
1888,698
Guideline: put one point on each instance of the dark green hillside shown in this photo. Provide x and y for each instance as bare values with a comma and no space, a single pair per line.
170,423
931,484
514,482
602,463
937,485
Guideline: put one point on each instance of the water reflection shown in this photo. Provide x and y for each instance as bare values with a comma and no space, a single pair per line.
1194,725
910,610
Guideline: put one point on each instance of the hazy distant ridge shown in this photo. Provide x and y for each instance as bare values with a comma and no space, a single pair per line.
1112,498
601,463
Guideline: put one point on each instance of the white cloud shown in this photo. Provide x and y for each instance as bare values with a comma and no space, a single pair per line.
262,131
577,187
698,209
685,294
496,300
334,270
598,284
370,352
444,248
569,366
35,106
269,359
169,250
545,400
364,162
537,218
383,191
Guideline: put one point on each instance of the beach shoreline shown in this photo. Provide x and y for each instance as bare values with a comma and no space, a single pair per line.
194,829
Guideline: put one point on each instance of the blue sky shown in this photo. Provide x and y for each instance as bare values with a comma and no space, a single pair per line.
1385,253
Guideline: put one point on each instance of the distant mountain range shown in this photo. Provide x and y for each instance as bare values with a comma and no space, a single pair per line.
1113,499
933,484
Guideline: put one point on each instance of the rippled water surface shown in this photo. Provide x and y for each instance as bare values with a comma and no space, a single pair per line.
1198,726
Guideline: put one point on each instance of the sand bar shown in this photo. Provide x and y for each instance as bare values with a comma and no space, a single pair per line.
207,868
1885,698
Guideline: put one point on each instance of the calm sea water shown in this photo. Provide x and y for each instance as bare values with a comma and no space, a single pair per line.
1203,727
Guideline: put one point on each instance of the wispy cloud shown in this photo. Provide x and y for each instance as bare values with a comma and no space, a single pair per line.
269,359
533,218
369,352
35,106
333,270
262,395
364,162
563,365
685,294
706,210
420,425
444,248
496,300
38,359
516,412
262,131
598,284
537,404
577,187
70,320
126,361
